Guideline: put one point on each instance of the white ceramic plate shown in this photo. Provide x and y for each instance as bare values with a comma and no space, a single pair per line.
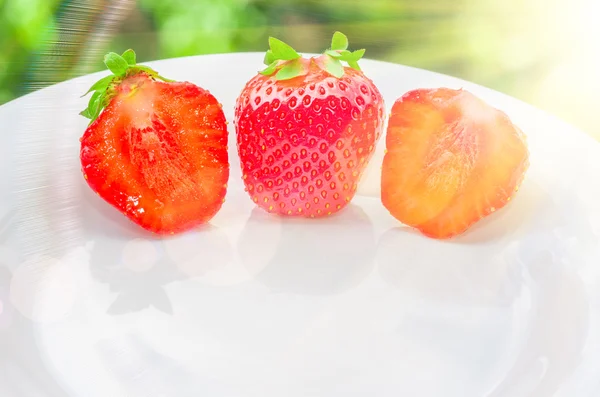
257,306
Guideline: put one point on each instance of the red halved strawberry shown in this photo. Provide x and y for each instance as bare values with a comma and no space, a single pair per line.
451,160
155,149
306,129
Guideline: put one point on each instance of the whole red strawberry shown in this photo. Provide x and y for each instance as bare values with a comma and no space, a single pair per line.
155,149
306,129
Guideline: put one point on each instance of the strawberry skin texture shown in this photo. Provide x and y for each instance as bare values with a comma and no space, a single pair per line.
451,159
304,143
158,154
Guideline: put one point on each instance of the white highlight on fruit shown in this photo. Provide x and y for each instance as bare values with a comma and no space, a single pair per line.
139,255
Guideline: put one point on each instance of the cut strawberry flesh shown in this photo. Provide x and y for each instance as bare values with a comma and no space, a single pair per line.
451,160
158,153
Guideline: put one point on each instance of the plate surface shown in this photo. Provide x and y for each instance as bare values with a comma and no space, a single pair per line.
254,305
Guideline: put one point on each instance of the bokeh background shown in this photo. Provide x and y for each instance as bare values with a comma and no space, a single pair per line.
544,52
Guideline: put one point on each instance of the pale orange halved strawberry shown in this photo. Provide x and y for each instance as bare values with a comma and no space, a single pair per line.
451,160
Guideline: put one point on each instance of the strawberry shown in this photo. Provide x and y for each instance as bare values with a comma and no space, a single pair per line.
155,149
306,129
451,160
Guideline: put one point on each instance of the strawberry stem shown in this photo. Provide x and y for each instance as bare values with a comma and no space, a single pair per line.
121,66
285,63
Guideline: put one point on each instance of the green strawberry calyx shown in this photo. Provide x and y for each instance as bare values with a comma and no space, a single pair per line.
284,63
121,67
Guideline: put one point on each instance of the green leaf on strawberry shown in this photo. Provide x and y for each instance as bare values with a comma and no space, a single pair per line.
339,41
129,56
121,66
94,105
116,64
285,63
291,70
357,55
101,84
270,69
334,67
281,50
354,65
86,113
269,58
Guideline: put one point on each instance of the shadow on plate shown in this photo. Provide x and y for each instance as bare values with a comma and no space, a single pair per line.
309,256
138,265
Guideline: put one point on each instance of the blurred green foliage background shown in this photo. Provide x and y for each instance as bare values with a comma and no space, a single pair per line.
544,52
